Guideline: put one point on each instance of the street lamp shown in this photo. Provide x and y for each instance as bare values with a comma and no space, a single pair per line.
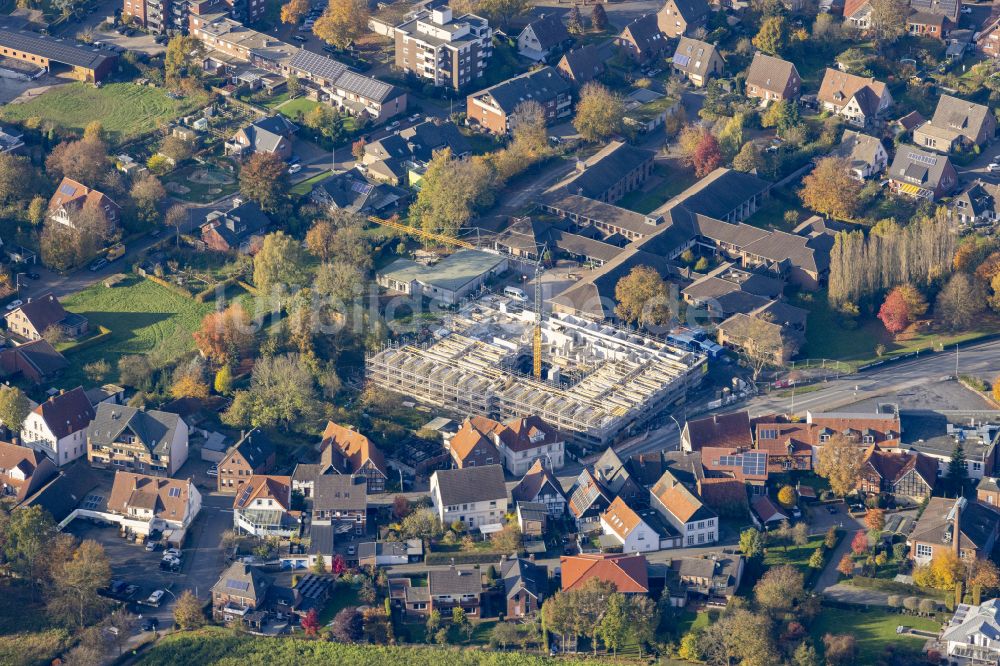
17,282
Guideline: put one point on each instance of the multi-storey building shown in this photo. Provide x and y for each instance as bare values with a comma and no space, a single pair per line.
476,496
445,50
495,108
57,427
128,438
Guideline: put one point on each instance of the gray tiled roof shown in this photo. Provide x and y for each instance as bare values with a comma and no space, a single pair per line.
472,484
154,429
542,85
452,580
340,492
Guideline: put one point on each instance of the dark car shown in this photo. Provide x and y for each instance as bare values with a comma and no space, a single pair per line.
151,624
299,38
831,508
33,276
99,264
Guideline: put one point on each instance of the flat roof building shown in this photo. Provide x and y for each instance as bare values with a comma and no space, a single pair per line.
57,56
448,281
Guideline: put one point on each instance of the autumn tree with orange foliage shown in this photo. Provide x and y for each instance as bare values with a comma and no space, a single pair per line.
875,519
293,10
224,336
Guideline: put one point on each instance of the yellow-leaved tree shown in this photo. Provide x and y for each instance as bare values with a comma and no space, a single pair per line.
342,22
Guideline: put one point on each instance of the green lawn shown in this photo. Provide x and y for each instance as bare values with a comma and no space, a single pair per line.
144,317
305,187
797,556
344,595
771,214
298,105
126,110
674,180
874,630
204,189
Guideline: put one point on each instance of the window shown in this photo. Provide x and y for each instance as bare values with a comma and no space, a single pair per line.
711,522
924,550
701,524
690,527
690,541
976,467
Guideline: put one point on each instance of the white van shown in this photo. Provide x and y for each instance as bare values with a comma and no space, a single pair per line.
515,293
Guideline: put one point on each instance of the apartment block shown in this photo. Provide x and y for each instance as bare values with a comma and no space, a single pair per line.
445,50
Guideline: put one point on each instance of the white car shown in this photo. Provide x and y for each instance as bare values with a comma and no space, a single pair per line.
213,470
966,10
155,598
172,552
14,304
295,168
992,166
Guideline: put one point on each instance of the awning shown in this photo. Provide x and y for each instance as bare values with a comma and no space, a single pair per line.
906,188
491,528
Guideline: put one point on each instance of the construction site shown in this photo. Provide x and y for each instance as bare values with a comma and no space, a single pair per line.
593,381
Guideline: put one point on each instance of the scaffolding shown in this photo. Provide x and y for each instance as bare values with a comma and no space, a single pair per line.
618,379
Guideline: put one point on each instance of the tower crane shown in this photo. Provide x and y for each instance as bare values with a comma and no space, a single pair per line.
537,333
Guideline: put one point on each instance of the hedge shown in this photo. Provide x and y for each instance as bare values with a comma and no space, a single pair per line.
208,292
169,285
103,334
463,558
249,287
894,586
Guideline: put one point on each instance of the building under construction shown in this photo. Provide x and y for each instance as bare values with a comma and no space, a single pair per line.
597,380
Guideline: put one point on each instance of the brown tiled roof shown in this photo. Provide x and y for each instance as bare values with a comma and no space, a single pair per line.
892,466
475,431
130,489
265,486
839,87
766,509
628,572
42,311
532,483
730,430
24,470
67,412
353,447
769,73
678,500
723,493
621,519
518,433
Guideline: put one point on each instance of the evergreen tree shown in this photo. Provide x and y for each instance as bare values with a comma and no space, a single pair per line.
574,22
958,471
599,18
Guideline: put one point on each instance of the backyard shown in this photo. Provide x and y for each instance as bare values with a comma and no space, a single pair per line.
126,110
200,183
797,556
144,318
875,630
669,179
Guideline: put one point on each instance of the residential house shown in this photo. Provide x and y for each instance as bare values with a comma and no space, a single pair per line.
978,205
263,507
680,507
268,135
540,485
252,455
956,124
772,79
446,50
241,590
23,472
127,437
587,498
904,474
476,496
988,39
749,466
142,503
72,200
32,319
627,527
718,430
971,635
57,428
532,520
858,13
526,586
936,435
342,502
240,229
922,175
615,476
968,529
402,158
349,452
610,173
949,9
628,573
543,37
389,553
866,154
862,101
697,60
766,513
788,444
988,492
473,445
782,325
494,108
714,577
451,587
36,361
924,24
583,64
641,40
677,18
524,441
353,192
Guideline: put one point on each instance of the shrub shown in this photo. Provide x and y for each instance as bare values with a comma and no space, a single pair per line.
911,603
927,606
894,601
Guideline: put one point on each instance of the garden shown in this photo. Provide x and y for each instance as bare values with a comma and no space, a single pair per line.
202,183
126,110
874,630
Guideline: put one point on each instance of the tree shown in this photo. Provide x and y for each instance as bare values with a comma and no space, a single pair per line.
293,10
613,629
830,539
984,575
748,159
599,113
183,57
875,519
800,534
846,566
887,20
223,383
643,298
122,622
859,544
780,588
707,156
751,543
14,408
450,192
740,637
958,470
599,18
83,161
805,654
772,36
947,569
894,313
188,385
279,266
830,190
176,148
916,304
147,193
338,566
422,524
786,496
224,337
16,178
282,391
501,12
189,611
531,136
761,343
840,649
400,507
176,217
77,583
310,623
326,121
816,560
839,462
342,22
503,634
348,625
574,21
959,303
37,210
782,114
262,179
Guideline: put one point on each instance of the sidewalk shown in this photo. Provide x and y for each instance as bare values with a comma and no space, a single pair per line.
830,575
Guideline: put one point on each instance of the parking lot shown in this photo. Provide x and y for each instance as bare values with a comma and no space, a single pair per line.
202,560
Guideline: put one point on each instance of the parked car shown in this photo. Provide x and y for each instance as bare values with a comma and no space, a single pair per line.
152,546
172,552
155,598
213,470
14,304
295,168
99,264
300,38
151,624
993,166
351,550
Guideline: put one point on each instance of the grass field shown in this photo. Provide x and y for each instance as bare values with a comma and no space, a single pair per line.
874,630
126,110
673,181
298,105
198,191
797,556
344,595
144,317
305,187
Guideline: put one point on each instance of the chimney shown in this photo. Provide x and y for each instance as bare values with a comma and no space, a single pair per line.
956,530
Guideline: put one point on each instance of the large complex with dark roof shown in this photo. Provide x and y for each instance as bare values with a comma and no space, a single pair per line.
85,63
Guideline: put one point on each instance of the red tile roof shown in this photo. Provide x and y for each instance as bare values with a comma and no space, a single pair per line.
352,446
720,430
628,573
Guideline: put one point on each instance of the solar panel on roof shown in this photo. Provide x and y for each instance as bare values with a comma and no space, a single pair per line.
234,584
681,60
361,188
923,159
66,189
